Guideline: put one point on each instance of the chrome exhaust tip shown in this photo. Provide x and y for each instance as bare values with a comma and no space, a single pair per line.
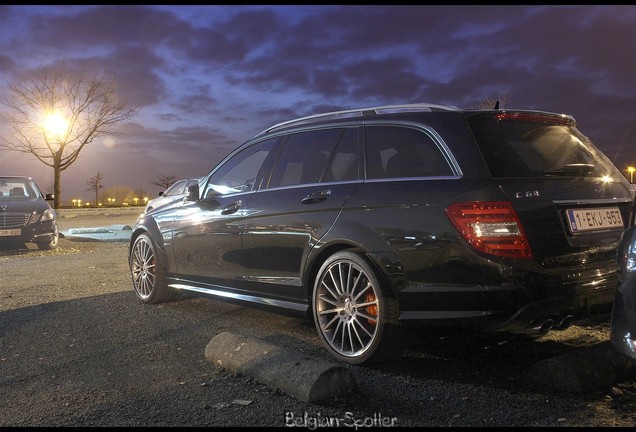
565,322
545,327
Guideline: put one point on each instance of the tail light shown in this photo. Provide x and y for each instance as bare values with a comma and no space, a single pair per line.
491,227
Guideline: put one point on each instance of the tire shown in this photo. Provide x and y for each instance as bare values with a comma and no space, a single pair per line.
148,272
355,318
50,244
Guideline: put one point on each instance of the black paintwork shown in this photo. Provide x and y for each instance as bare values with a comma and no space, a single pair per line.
265,245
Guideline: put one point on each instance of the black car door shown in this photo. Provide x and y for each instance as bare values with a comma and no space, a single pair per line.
313,176
206,233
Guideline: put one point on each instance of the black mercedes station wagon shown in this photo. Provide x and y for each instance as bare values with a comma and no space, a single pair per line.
373,220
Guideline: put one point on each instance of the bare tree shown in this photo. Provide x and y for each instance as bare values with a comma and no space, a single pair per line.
55,114
165,181
95,184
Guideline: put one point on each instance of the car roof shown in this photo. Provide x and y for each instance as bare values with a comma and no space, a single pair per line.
360,112
369,112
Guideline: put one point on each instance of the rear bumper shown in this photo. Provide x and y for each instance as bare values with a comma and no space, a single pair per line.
550,301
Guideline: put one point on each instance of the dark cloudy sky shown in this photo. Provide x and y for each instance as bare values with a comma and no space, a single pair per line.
207,78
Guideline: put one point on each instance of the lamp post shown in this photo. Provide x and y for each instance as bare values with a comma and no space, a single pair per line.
630,170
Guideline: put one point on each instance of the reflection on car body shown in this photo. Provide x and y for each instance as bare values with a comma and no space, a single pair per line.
623,320
376,219
175,192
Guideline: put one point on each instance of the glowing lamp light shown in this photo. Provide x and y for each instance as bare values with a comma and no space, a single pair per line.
55,125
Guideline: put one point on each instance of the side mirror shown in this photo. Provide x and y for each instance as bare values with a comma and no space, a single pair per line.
49,197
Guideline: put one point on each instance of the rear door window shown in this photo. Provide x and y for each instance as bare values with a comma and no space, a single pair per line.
305,157
343,165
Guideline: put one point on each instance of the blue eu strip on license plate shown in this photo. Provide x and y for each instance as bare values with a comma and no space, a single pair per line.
595,219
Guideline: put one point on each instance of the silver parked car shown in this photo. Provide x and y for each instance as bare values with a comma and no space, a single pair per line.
175,192
25,215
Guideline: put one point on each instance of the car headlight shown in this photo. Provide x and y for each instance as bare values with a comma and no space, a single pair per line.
48,214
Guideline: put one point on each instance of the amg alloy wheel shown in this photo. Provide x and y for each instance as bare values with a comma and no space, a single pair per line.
350,310
147,271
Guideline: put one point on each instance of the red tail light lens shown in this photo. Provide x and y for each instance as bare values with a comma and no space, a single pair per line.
491,227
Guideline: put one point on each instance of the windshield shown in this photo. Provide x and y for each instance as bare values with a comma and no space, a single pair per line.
17,188
535,146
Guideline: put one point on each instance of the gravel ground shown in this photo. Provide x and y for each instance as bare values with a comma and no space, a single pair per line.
78,349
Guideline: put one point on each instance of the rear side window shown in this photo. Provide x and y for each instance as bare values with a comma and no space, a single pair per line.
396,152
536,146
305,157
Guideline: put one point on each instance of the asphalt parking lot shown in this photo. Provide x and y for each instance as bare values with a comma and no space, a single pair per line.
78,349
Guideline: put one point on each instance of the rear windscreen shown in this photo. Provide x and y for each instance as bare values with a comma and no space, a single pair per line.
534,146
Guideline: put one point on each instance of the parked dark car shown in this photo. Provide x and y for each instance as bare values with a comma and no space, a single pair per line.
373,220
623,321
175,192
25,215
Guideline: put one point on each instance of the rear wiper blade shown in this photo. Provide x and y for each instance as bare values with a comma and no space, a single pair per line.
569,169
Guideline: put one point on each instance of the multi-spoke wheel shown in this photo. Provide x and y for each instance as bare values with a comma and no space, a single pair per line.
350,309
147,271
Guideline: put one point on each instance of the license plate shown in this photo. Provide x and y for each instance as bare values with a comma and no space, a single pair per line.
595,219
10,232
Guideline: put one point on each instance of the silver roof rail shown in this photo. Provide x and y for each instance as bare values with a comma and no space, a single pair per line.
359,112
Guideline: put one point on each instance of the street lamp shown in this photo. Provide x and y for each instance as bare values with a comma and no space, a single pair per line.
630,170
74,201
55,125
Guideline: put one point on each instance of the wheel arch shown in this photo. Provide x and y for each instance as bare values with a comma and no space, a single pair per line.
388,269
155,236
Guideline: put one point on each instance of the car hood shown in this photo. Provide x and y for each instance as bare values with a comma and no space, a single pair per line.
23,206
